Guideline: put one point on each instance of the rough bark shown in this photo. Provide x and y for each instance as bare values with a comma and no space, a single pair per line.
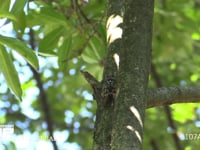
171,95
120,125
134,68
129,31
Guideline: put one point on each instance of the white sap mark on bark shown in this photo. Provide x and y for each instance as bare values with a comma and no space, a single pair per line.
138,136
136,132
113,30
117,60
136,114
130,127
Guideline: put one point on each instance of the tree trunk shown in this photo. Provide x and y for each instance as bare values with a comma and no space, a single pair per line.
135,54
121,100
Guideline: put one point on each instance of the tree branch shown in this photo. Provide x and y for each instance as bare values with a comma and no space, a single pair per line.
171,95
87,20
96,85
42,95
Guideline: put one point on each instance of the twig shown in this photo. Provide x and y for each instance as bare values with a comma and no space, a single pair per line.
96,85
42,95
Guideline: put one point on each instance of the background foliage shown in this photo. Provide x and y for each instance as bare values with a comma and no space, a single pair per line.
67,36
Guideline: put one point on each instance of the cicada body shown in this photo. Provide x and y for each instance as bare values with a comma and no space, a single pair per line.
109,90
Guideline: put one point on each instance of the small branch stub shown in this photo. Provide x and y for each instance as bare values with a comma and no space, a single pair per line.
96,85
104,92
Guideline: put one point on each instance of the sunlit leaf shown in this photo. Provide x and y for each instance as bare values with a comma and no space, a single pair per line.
7,15
9,72
21,48
18,6
4,7
184,112
4,10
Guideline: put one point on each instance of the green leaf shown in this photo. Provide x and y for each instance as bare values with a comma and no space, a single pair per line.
21,48
92,53
9,72
44,16
51,15
63,52
4,7
95,9
18,6
183,112
7,15
89,57
20,23
20,18
50,41
4,10
98,51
